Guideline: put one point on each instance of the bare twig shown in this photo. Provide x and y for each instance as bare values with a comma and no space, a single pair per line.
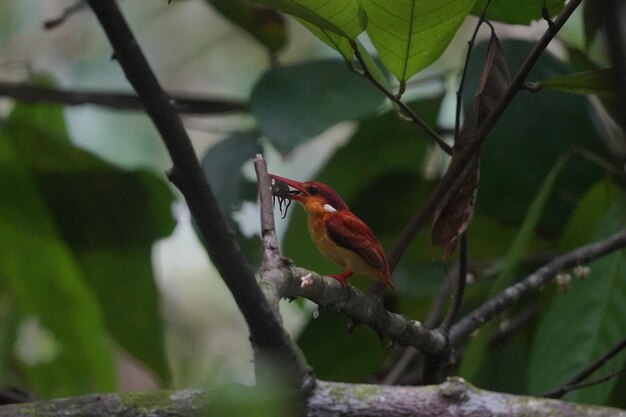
267,335
461,279
510,296
459,92
576,381
67,12
184,104
272,275
456,167
395,98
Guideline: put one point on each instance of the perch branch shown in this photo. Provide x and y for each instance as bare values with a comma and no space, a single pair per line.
457,166
272,277
461,330
267,335
184,104
362,309
453,398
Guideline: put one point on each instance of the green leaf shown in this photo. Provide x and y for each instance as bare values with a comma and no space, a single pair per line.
409,35
589,212
589,82
46,281
265,25
339,43
222,166
478,347
516,11
343,17
290,111
584,323
108,218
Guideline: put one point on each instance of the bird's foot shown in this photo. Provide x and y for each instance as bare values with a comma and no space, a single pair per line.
343,277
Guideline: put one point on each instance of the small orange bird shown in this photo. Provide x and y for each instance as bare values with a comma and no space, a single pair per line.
340,235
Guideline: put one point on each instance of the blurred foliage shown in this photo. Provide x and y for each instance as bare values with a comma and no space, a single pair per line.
76,239
76,233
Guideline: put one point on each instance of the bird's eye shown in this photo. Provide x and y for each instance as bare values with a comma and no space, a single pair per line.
312,190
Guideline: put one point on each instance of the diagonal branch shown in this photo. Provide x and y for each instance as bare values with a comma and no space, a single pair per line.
507,298
266,333
456,167
182,103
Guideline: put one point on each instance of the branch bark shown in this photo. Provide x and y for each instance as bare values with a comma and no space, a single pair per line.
182,103
268,337
362,309
453,398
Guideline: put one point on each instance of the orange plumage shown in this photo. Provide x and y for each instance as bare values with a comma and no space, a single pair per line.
338,233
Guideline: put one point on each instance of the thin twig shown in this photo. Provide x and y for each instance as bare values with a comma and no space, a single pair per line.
510,296
576,381
456,167
458,294
67,12
267,335
184,104
395,98
459,92
586,384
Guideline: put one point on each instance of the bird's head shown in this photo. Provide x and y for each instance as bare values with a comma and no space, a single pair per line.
310,193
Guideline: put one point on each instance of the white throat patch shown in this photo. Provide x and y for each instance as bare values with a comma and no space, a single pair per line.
329,208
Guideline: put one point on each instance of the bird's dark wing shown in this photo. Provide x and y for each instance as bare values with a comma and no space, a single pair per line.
349,232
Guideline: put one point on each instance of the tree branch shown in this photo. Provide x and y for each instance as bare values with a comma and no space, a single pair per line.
267,335
461,330
273,263
454,398
184,104
361,308
456,167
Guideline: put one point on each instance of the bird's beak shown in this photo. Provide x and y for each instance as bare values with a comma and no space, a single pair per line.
298,196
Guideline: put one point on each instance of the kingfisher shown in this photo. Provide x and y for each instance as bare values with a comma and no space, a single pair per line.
337,232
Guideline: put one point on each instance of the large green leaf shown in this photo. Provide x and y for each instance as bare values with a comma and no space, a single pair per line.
411,34
585,322
518,11
344,17
339,43
46,281
265,25
294,104
106,219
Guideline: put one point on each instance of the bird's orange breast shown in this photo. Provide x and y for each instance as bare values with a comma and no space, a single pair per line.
319,215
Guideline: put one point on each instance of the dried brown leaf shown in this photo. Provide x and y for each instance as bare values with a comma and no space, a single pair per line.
456,209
